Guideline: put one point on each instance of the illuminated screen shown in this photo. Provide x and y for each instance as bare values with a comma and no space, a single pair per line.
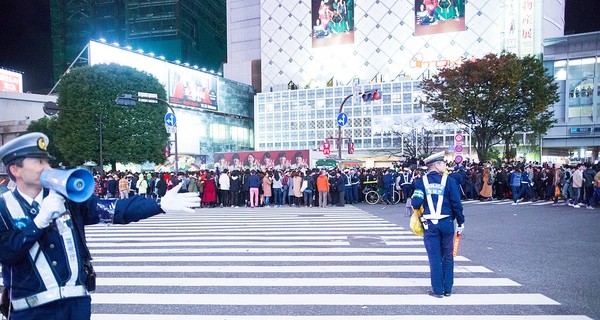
439,16
332,22
184,86
192,88
11,81
259,160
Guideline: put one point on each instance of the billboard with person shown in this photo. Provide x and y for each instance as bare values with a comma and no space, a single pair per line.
332,22
439,16
261,160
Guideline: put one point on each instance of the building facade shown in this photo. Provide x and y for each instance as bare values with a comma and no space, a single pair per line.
213,114
243,42
574,61
333,48
191,31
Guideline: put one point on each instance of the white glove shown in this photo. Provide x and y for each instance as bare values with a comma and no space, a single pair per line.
173,201
460,228
51,208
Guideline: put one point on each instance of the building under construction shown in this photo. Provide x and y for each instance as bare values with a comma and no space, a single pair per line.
191,31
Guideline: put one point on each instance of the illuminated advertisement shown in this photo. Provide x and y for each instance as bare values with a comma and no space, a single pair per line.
11,81
193,89
184,86
332,22
261,160
439,16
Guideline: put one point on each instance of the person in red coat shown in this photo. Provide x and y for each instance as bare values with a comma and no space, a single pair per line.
210,191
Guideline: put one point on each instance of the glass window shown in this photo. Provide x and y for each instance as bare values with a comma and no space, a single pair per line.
320,93
302,95
329,113
397,109
366,143
356,112
397,87
310,94
560,70
320,114
277,117
285,106
406,98
407,86
339,91
293,95
277,107
376,110
329,103
407,109
293,115
329,92
387,110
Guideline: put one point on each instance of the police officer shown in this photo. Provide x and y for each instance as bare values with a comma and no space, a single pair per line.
439,218
43,252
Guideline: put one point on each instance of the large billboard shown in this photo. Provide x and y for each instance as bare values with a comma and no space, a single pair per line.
332,22
192,88
185,87
261,160
439,16
11,81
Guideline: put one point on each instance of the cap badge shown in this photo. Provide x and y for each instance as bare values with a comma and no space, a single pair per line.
42,143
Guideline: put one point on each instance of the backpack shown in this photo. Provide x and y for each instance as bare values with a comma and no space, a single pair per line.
516,181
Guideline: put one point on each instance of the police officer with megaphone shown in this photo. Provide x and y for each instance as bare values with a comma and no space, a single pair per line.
45,261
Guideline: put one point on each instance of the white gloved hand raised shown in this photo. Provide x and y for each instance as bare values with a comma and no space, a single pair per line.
51,208
174,201
460,228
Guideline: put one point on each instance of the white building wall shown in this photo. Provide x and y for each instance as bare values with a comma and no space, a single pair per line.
385,44
17,110
243,40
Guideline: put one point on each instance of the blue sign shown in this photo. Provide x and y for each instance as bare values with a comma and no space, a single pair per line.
342,119
170,119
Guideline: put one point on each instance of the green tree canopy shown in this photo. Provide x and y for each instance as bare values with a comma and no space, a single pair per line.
495,97
130,134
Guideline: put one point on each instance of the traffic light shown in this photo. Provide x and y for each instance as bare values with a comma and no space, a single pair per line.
350,147
326,148
371,95
167,149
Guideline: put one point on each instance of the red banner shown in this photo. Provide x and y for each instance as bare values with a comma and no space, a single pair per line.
260,160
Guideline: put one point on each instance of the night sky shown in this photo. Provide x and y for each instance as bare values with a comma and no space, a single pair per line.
26,45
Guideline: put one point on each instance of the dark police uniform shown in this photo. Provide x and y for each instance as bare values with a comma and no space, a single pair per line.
439,235
44,269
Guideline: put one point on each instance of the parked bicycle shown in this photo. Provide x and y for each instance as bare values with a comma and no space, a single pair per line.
374,196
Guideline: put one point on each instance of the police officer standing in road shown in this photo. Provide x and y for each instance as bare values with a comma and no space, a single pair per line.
439,194
45,260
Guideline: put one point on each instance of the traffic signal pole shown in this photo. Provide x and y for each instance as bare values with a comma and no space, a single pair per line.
339,138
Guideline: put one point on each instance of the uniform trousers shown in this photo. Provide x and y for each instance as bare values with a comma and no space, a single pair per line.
439,242
79,308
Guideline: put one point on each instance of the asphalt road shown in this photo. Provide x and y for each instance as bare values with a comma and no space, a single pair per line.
553,250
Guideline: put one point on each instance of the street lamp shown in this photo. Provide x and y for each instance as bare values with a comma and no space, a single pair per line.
131,100
50,108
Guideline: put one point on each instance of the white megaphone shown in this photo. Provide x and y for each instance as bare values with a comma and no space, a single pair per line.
75,184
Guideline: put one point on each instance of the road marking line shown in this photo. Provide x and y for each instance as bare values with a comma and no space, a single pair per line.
280,269
301,282
319,299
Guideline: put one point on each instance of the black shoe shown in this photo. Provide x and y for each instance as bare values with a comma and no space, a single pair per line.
447,294
429,292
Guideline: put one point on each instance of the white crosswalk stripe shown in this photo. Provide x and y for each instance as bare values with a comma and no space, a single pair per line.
268,264
509,201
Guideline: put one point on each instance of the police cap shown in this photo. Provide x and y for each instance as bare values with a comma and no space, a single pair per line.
434,158
31,145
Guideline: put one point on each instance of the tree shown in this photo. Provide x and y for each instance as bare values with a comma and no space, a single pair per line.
47,126
130,134
496,97
411,138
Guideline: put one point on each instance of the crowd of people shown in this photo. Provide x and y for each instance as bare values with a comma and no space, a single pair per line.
573,185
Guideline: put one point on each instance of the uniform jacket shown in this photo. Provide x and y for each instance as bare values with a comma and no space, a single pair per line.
451,205
38,260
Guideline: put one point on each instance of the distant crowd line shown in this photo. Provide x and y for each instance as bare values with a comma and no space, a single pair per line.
577,185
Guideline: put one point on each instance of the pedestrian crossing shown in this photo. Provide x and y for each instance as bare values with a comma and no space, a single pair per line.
288,263
509,202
